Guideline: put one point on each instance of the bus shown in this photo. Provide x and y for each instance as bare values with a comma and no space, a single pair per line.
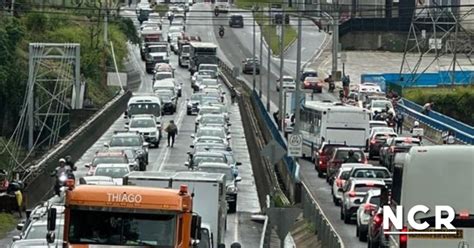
100,215
333,123
223,5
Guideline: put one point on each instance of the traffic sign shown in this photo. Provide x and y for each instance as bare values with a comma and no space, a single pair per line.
295,145
273,151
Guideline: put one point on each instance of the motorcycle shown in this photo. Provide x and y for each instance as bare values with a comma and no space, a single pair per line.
61,180
221,33
216,12
332,87
341,95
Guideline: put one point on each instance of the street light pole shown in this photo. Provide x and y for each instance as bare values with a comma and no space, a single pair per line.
261,62
296,129
335,40
254,71
269,57
282,63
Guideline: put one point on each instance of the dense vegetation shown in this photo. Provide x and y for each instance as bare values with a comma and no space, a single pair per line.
455,102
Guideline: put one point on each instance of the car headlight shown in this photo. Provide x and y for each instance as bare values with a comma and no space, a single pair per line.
153,134
232,189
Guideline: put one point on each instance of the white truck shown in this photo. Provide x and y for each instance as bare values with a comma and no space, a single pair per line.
209,196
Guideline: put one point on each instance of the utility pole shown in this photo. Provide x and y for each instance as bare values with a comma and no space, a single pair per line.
261,62
335,40
13,8
282,63
455,48
269,50
296,129
254,72
106,22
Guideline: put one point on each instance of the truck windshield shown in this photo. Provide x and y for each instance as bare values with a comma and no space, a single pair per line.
121,228
144,108
186,49
158,49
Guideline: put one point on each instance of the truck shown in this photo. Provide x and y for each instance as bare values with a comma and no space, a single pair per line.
99,215
209,199
184,48
149,36
201,53
156,52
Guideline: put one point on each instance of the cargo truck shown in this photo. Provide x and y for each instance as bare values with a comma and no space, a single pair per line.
201,53
209,195
100,215
184,49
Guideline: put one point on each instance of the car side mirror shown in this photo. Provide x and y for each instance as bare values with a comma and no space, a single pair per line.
16,238
238,179
192,136
229,124
20,226
229,137
87,165
146,144
238,163
189,153
126,127
191,146
106,145
186,164
50,237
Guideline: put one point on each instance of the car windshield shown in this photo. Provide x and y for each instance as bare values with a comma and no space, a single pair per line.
226,171
310,74
186,49
383,129
385,135
342,154
122,228
205,73
407,143
208,68
113,172
126,141
212,120
142,123
371,173
208,147
210,100
158,49
288,80
40,231
204,111
210,82
211,159
210,140
211,132
109,160
144,108
345,174
363,188
375,200
161,76
381,104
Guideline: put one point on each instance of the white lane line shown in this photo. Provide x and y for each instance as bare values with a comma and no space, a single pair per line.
237,225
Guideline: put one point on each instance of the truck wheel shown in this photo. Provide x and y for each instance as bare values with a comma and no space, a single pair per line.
347,217
232,207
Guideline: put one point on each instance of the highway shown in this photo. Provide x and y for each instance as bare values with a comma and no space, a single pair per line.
239,226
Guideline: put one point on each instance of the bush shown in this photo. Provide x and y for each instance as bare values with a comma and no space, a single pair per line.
455,102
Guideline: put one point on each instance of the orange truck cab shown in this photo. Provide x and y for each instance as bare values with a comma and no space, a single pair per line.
104,216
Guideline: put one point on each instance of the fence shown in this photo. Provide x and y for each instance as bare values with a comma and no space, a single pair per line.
265,128
437,121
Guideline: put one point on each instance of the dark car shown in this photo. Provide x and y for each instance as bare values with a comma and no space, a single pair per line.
394,146
377,141
338,157
236,21
124,140
308,73
322,156
247,65
168,101
205,157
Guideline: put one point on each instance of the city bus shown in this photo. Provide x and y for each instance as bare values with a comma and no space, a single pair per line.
333,123
99,215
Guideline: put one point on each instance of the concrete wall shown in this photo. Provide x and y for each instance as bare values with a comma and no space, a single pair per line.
468,21
363,40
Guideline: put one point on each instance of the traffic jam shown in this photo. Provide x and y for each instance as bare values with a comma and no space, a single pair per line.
372,161
121,201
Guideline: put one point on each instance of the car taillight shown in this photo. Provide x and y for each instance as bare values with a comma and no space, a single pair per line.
368,208
464,215
366,161
352,194
392,148
403,238
373,141
378,219
339,183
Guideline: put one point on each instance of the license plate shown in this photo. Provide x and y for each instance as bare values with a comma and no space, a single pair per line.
458,235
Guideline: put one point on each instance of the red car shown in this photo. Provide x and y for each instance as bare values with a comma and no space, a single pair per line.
322,156
313,83
338,157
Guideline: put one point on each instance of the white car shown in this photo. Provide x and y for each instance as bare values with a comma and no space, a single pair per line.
146,125
341,176
115,171
369,87
163,75
381,105
96,180
369,204
287,84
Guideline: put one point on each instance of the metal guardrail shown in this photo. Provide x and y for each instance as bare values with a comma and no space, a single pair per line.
315,216
312,212
437,121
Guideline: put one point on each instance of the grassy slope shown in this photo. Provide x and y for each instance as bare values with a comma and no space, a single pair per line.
7,223
270,33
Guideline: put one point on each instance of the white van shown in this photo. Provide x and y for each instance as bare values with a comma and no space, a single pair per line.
431,176
167,84
144,104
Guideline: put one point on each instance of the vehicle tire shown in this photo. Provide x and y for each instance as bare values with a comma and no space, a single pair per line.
362,236
335,200
320,174
188,112
157,144
357,230
179,63
347,217
232,207
341,214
